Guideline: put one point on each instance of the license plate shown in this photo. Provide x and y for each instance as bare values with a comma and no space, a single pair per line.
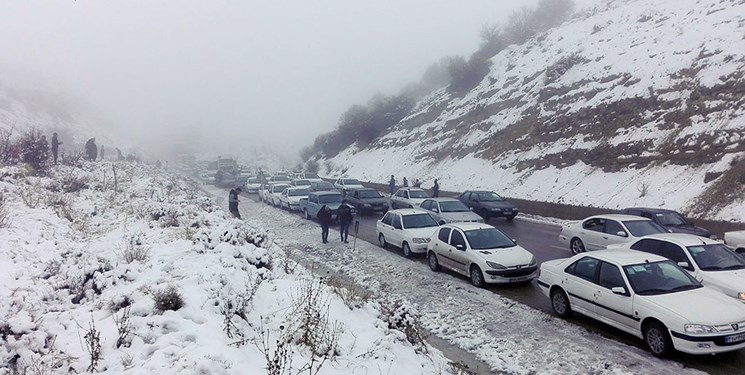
734,338
518,279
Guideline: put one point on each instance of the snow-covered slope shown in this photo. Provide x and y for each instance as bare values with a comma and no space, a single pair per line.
639,102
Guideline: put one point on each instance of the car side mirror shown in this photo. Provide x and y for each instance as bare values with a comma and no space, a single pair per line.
619,290
685,265
460,246
514,241
622,233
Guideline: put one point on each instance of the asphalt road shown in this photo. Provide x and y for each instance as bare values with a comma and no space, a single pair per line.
542,240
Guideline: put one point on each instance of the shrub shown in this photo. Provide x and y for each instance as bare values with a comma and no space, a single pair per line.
560,67
34,149
9,152
135,249
4,211
401,318
168,299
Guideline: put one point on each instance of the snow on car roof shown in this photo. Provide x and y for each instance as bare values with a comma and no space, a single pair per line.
443,199
623,257
684,239
466,226
620,217
326,193
409,211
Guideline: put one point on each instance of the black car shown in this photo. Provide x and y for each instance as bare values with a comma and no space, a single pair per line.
367,200
322,186
488,204
669,219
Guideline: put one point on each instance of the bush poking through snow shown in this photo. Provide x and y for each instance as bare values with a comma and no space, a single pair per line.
279,360
123,327
402,318
353,295
560,67
92,340
459,368
4,211
168,299
135,249
232,304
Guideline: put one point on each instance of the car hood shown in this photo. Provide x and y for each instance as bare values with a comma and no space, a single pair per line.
688,229
380,200
421,232
729,282
508,257
460,216
701,306
498,204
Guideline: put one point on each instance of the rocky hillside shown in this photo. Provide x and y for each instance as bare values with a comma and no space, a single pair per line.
635,103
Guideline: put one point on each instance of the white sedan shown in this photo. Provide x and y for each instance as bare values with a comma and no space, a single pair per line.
274,192
450,210
647,296
291,196
344,184
709,261
597,232
482,252
408,197
736,240
409,229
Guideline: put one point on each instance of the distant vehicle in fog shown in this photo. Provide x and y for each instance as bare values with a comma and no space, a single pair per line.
280,178
253,185
488,204
599,231
367,201
669,219
275,192
312,177
450,210
299,182
343,184
408,197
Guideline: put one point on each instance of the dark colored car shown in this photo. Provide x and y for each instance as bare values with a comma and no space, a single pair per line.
366,201
488,204
322,186
669,219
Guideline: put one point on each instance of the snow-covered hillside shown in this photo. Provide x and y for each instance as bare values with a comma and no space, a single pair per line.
639,102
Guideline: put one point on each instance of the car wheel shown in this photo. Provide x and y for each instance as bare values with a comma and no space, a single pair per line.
485,214
434,265
577,246
560,303
381,241
305,213
407,250
657,339
477,277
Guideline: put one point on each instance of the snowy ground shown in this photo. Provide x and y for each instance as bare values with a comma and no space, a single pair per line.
509,337
83,266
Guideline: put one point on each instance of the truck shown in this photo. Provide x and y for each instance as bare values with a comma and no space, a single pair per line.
317,199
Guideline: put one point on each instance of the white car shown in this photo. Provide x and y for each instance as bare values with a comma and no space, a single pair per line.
647,296
597,232
408,197
709,261
290,197
275,191
344,184
312,177
481,252
253,185
450,210
409,229
300,183
736,240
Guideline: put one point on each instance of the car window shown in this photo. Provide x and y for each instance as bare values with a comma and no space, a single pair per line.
716,257
595,224
397,221
673,252
444,235
400,193
387,219
406,194
418,194
648,246
422,220
457,239
610,276
586,268
313,199
670,218
453,206
659,278
640,228
425,205
488,238
613,227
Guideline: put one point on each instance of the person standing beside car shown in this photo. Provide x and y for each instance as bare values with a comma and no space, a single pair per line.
435,189
392,184
324,217
344,216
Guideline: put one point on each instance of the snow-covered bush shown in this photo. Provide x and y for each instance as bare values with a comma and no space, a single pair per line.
34,150
4,211
168,299
560,67
135,249
403,319
309,324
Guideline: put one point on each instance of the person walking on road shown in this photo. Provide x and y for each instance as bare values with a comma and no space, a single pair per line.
55,147
345,216
392,184
233,202
435,189
324,217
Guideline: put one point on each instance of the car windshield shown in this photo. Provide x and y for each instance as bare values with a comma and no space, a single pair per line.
670,218
324,186
369,194
331,198
311,175
279,188
640,228
453,206
716,257
488,238
418,194
253,180
298,192
350,181
490,197
280,178
302,183
418,221
659,278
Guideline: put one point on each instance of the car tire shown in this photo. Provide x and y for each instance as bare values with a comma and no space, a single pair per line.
434,264
407,250
477,277
560,303
381,241
657,339
485,214
576,246
305,213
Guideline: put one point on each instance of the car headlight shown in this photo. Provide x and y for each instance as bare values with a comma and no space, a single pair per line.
420,240
699,328
533,261
741,296
496,265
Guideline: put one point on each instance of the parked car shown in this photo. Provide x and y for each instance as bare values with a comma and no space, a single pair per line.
597,232
647,296
488,204
408,197
481,252
408,229
736,240
300,183
367,201
344,184
280,178
316,199
669,219
312,177
264,192
709,261
450,210
253,185
291,197
322,186
275,192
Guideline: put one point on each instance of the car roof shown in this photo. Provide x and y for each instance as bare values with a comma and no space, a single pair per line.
443,199
362,189
326,193
411,188
684,239
466,226
650,209
409,211
478,191
619,217
622,256
297,188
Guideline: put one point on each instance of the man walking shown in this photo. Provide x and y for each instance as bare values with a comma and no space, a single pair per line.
435,189
91,149
233,202
392,184
344,215
55,147
324,217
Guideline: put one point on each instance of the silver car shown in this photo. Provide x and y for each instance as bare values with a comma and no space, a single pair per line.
450,210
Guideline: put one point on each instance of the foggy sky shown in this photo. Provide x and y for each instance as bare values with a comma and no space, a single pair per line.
276,72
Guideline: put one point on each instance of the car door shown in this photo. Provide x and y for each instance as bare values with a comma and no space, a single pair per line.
582,288
614,308
386,225
396,199
614,233
397,230
441,246
458,250
592,233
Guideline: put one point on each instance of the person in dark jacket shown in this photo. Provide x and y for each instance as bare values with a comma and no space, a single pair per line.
324,217
392,184
406,182
233,202
344,216
435,189
55,147
91,149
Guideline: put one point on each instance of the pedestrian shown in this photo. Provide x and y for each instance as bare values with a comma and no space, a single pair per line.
344,216
101,152
392,184
324,217
233,202
435,189
406,182
55,147
91,149
417,183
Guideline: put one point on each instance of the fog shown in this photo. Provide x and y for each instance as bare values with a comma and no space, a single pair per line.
233,73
